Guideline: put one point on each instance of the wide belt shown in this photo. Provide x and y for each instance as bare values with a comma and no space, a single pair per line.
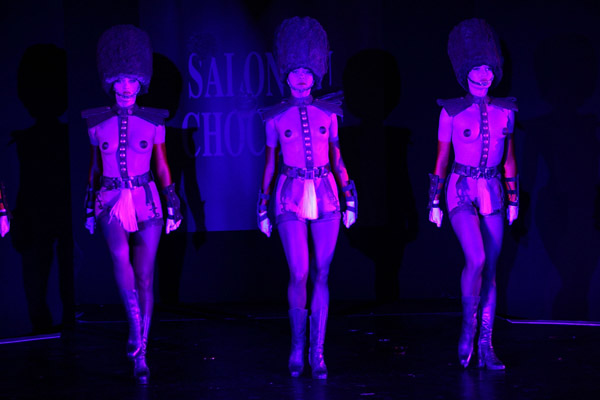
129,183
475,172
306,173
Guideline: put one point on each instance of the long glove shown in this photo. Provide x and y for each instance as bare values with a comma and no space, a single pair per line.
435,213
264,224
90,217
512,212
351,213
174,216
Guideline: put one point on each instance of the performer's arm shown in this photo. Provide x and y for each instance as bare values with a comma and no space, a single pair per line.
268,179
511,176
341,174
94,175
436,180
161,166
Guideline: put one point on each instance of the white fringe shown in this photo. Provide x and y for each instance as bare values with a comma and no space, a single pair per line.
124,211
308,204
485,201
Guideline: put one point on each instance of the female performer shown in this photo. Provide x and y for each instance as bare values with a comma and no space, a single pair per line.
479,128
305,130
122,195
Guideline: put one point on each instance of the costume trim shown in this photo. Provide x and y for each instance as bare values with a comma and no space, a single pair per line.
95,116
457,105
330,104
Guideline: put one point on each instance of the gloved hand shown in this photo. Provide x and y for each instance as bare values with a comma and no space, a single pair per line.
512,213
436,214
265,224
4,225
90,220
349,216
174,216
171,223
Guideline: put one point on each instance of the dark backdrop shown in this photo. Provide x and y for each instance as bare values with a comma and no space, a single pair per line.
213,71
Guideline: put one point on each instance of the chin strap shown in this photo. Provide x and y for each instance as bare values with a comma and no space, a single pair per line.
435,188
512,190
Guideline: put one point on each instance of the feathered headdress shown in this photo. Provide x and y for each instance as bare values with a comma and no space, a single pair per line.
473,42
124,50
302,43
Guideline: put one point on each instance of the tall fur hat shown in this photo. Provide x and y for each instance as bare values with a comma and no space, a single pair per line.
124,50
473,42
302,43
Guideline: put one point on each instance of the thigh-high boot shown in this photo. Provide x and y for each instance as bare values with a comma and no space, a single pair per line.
140,368
132,309
298,324
469,325
487,356
318,323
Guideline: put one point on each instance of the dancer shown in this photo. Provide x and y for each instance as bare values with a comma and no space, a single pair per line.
305,130
121,195
479,129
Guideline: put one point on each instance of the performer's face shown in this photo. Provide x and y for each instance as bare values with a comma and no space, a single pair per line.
301,79
481,77
126,89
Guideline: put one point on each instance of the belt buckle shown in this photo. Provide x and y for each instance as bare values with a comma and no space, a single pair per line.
128,183
309,174
477,174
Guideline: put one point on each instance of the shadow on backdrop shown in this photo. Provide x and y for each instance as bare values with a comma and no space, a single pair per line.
376,157
165,91
566,213
42,215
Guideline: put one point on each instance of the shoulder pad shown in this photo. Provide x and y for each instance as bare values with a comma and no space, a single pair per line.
274,110
509,103
331,103
155,116
454,106
95,116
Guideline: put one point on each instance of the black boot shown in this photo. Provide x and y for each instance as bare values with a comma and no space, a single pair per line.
132,309
298,324
487,356
141,372
469,325
318,323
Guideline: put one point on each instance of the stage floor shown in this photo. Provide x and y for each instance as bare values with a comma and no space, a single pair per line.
233,352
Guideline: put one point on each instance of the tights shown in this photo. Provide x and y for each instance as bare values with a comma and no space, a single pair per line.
294,237
142,246
481,240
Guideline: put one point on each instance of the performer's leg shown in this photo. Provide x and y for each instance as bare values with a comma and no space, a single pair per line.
294,238
118,245
117,240
144,244
466,225
324,235
492,229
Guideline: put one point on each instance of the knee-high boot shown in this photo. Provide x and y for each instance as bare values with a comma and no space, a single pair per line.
298,324
486,355
318,323
141,372
132,309
469,326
